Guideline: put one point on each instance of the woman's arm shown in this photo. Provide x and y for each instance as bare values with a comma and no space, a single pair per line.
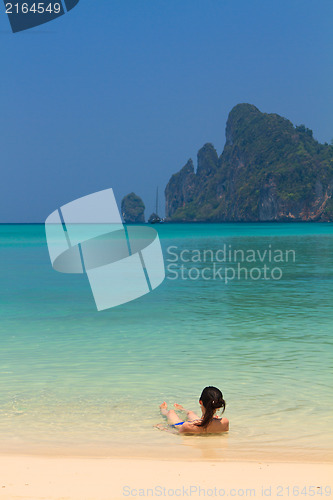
189,428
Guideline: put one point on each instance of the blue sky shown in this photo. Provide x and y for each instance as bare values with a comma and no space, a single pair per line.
120,93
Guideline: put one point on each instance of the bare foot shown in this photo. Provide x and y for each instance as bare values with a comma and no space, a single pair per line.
179,407
164,408
161,427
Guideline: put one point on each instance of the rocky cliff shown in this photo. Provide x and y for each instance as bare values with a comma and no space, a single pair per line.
133,208
269,170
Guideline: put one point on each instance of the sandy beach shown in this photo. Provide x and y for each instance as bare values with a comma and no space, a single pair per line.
66,478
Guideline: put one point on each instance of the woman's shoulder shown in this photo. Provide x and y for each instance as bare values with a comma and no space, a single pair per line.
219,424
224,422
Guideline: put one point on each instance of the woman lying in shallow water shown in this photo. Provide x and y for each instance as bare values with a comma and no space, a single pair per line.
211,400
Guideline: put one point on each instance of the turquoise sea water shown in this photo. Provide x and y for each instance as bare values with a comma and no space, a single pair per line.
81,381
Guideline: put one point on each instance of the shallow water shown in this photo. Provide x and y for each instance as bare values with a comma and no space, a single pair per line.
76,380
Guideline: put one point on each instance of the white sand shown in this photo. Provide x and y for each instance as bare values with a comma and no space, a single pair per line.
65,478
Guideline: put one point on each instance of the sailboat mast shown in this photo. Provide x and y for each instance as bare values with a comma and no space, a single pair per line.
156,201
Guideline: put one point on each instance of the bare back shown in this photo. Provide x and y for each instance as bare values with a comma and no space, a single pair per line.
216,426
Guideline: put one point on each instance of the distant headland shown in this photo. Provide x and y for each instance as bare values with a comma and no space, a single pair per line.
269,170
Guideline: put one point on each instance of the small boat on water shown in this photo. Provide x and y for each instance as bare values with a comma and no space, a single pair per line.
155,218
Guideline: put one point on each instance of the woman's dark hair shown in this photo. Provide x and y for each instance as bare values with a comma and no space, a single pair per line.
212,398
